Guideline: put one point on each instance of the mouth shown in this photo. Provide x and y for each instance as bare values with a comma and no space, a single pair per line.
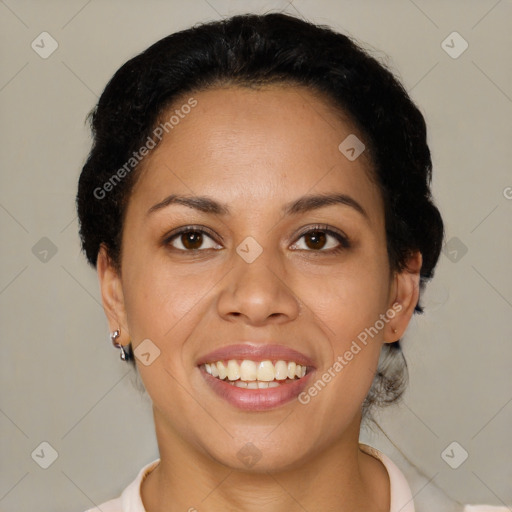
256,377
249,374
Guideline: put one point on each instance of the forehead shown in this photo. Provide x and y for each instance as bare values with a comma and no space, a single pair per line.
256,147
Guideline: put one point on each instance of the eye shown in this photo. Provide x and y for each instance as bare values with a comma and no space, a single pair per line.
315,240
190,239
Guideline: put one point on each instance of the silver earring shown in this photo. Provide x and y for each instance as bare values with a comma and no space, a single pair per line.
113,337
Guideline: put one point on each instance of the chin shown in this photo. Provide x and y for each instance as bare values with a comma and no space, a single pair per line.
263,456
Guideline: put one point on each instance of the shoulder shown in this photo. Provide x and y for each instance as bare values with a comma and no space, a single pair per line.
399,491
405,477
130,499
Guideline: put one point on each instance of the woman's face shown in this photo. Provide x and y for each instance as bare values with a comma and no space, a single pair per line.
253,283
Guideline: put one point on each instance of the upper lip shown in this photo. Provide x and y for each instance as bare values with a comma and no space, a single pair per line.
256,352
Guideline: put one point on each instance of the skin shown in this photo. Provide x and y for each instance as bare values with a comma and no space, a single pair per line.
255,150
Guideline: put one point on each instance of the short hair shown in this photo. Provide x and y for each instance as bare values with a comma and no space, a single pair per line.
252,50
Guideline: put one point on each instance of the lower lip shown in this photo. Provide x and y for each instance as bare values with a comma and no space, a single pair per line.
257,399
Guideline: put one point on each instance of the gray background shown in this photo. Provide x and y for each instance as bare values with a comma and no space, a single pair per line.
64,384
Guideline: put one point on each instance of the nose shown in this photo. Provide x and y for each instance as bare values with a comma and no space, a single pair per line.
258,293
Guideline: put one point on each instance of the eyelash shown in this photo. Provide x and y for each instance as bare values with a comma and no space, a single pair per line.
342,239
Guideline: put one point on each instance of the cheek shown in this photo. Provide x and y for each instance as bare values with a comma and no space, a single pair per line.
159,296
348,308
348,300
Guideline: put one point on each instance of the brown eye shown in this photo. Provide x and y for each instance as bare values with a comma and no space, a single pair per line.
188,240
191,240
316,239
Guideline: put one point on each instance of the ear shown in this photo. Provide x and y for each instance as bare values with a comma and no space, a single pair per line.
112,295
403,297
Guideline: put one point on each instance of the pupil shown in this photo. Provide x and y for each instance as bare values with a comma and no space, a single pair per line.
318,238
193,240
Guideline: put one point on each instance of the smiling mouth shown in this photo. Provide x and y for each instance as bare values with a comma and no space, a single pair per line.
249,374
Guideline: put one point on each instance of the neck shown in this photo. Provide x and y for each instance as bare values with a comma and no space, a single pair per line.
341,478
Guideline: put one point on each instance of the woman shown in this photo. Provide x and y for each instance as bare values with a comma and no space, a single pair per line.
257,205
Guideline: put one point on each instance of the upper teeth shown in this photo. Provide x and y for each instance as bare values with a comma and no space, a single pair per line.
249,370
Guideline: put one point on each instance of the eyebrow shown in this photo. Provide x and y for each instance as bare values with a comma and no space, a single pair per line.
304,204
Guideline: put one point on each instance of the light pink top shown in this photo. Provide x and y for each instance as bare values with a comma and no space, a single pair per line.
401,496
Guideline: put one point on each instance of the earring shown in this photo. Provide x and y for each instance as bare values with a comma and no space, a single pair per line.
113,337
394,330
